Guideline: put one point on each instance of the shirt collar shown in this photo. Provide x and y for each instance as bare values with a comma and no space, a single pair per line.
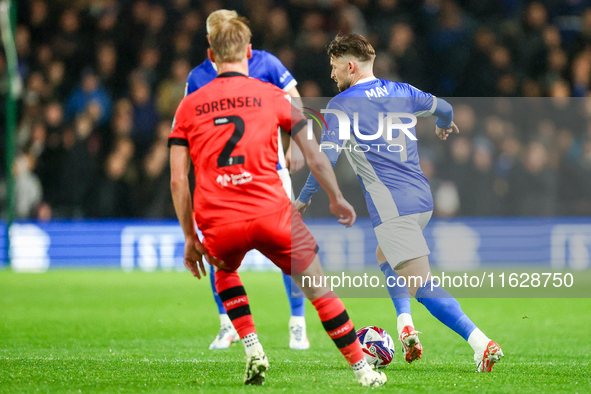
364,80
231,74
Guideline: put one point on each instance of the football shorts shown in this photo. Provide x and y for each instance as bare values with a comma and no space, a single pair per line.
281,236
402,238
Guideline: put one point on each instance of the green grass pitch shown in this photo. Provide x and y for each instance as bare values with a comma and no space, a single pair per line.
108,331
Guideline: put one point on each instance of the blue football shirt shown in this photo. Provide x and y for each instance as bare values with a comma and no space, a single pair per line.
387,169
262,66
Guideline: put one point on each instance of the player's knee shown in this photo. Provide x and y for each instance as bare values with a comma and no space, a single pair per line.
380,255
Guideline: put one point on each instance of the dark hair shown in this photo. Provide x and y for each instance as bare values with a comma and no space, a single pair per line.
351,44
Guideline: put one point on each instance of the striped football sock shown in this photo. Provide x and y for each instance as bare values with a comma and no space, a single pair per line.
338,326
233,295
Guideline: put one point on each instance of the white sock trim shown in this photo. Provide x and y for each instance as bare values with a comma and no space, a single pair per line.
251,343
403,320
297,321
361,367
478,341
225,320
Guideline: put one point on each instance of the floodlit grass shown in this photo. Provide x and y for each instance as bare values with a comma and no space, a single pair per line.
108,331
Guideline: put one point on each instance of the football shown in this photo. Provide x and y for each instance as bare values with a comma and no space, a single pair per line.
377,346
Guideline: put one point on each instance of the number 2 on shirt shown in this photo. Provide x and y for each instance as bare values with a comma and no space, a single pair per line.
224,159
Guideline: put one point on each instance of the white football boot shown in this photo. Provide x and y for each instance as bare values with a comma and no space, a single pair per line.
256,366
372,378
486,361
227,336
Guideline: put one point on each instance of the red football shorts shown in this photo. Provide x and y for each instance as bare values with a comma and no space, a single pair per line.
281,236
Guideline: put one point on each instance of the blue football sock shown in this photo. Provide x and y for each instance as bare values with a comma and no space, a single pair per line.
216,296
297,301
445,308
400,295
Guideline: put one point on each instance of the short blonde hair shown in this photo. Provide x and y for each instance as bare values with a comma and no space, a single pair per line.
217,17
229,40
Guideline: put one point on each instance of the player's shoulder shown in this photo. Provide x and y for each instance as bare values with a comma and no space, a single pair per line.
205,68
394,86
353,91
261,54
404,89
265,86
264,60
201,73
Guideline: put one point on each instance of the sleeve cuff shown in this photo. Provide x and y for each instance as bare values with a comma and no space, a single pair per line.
297,127
178,141
290,85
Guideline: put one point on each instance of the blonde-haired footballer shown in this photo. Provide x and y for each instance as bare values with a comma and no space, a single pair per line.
267,68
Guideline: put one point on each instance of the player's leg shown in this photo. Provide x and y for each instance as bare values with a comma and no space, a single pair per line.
408,336
297,321
235,301
286,241
227,334
229,247
447,310
298,338
417,274
336,322
396,238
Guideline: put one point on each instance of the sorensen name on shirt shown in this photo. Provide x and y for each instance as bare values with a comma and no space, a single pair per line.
228,103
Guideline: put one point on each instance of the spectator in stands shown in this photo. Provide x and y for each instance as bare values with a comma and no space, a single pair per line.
278,32
172,90
404,50
89,92
145,116
28,190
40,22
106,65
482,198
481,48
155,200
79,166
112,194
69,43
58,87
532,184
22,41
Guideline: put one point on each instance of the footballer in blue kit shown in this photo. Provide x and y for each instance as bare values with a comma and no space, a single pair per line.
397,194
267,68
262,66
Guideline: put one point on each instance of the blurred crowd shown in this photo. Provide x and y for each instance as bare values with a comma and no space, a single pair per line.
102,80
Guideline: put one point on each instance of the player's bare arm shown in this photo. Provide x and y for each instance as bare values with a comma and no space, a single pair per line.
324,174
302,206
294,159
180,162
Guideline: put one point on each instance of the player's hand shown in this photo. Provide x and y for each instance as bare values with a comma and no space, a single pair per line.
194,252
444,133
301,206
344,211
296,160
